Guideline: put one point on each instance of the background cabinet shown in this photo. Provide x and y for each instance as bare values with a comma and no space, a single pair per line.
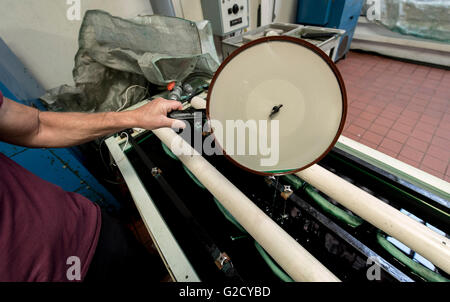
342,14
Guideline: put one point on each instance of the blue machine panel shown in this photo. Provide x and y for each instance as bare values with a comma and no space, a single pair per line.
342,14
321,9
11,150
42,162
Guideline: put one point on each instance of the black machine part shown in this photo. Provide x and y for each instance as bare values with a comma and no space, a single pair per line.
220,258
347,237
358,240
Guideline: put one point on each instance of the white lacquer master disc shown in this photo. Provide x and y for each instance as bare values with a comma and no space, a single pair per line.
277,105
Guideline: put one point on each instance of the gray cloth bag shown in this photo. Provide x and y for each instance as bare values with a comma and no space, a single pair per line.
116,53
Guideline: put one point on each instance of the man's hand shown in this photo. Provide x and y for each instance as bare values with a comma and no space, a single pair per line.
154,115
28,127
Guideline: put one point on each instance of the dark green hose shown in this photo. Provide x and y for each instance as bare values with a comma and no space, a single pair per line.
273,266
169,152
192,176
293,180
327,206
425,204
330,208
415,267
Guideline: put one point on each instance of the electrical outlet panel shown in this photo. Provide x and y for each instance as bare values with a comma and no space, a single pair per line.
226,16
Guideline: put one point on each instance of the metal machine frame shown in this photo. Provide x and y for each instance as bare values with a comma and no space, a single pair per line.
171,253
173,256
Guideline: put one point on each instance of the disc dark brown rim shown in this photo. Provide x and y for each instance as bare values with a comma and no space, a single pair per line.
308,45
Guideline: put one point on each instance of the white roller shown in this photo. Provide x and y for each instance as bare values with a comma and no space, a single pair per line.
415,235
291,256
272,33
198,102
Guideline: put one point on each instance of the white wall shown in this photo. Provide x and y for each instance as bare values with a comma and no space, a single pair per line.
192,9
40,34
253,12
286,11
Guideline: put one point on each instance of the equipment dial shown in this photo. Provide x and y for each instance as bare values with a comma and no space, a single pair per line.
235,9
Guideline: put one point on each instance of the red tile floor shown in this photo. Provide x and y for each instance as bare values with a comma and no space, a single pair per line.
401,109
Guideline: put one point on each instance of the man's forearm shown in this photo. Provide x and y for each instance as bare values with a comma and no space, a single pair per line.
28,127
70,129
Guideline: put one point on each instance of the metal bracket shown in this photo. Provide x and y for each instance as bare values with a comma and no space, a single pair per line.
287,192
156,171
222,260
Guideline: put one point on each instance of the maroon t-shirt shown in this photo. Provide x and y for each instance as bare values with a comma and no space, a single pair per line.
41,226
